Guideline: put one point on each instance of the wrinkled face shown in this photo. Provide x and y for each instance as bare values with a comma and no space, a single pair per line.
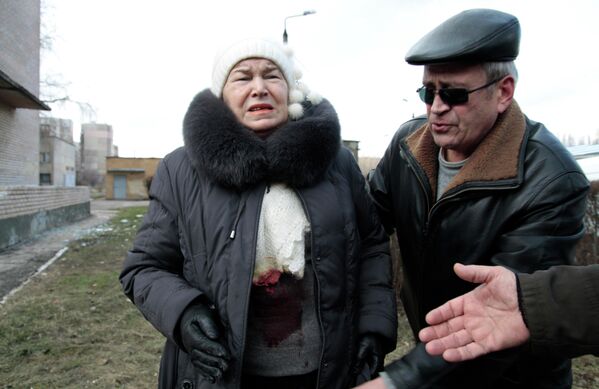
257,93
458,129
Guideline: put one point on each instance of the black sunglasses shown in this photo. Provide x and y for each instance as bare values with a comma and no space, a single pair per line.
450,96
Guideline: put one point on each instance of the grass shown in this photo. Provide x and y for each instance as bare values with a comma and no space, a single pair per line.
72,327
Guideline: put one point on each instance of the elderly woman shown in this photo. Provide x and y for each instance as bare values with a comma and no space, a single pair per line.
261,258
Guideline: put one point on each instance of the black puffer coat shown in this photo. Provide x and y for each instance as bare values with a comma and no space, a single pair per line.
199,237
519,202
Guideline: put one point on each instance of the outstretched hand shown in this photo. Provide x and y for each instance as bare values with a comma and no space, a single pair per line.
484,320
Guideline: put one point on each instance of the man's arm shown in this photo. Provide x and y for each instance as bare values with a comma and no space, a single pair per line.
561,307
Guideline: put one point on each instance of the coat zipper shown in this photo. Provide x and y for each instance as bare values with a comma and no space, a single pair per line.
240,209
249,288
317,286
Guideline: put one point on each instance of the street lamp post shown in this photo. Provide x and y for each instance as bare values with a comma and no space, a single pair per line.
309,12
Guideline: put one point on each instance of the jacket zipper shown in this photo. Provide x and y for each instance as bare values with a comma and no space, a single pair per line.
249,288
410,161
317,287
240,209
427,197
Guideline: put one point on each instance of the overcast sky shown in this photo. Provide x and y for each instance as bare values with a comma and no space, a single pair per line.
140,62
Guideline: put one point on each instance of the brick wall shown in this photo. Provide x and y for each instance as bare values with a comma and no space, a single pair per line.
20,41
19,59
19,146
18,201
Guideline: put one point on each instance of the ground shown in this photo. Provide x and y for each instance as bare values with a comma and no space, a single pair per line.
71,326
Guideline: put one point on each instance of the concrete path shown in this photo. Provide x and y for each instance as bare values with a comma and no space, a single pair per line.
18,263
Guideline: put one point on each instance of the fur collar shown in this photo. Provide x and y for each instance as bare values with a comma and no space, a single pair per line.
298,153
496,158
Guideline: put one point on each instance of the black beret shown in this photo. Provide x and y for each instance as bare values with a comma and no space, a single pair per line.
475,35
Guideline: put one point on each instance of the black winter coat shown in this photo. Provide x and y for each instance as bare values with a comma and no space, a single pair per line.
561,310
199,237
518,202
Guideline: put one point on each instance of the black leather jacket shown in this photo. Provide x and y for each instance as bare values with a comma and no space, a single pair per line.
518,202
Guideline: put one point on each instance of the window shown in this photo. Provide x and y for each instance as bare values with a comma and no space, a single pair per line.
45,157
45,179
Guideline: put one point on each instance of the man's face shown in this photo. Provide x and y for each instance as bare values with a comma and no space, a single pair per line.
458,129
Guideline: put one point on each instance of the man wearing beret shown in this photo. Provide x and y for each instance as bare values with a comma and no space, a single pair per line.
476,182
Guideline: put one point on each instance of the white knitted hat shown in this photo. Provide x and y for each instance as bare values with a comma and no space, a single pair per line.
280,55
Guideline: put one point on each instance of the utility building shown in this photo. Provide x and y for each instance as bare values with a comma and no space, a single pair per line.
129,178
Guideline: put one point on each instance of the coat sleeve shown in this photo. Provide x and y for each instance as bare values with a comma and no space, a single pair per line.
379,186
561,310
545,230
378,307
152,271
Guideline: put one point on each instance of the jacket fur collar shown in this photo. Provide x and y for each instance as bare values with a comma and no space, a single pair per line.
298,153
497,157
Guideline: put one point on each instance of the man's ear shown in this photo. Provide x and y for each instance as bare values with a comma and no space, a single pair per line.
505,90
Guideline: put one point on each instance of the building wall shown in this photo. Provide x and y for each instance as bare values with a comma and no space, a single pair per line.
20,41
19,59
26,211
57,151
96,145
136,180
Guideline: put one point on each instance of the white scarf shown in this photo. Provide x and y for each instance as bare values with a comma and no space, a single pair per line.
281,230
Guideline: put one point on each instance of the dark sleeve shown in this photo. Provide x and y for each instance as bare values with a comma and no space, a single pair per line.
547,227
152,272
418,369
379,186
378,307
561,310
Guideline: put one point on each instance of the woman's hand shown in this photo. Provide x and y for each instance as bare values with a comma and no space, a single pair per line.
203,342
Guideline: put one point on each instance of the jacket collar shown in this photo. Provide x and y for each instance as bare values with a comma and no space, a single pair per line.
298,153
498,160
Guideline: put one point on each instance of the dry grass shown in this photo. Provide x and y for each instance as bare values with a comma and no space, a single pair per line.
72,327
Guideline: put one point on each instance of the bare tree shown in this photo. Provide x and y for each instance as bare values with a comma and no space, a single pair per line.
90,178
53,86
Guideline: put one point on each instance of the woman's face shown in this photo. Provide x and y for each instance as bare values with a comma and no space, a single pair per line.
256,92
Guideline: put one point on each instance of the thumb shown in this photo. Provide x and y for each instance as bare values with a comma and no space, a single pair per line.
207,325
477,274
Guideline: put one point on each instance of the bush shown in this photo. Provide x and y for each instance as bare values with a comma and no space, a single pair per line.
587,250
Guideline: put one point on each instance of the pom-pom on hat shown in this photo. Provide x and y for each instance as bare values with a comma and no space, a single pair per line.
280,55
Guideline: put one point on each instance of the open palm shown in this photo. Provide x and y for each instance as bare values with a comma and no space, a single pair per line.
481,321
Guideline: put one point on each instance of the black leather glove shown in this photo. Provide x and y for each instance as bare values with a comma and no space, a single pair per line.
203,341
370,358
418,369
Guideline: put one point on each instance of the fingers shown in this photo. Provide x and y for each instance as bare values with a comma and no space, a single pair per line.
456,347
208,346
452,340
451,309
442,329
209,365
465,353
